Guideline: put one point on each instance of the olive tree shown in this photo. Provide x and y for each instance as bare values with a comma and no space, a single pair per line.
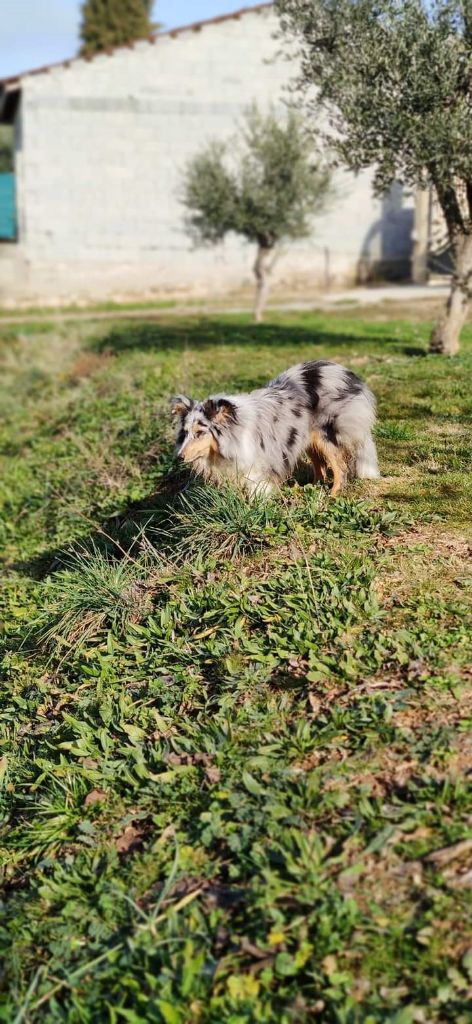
396,79
265,186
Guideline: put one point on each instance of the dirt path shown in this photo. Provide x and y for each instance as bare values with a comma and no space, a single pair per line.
355,297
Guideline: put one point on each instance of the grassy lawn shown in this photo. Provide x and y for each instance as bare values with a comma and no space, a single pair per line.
235,737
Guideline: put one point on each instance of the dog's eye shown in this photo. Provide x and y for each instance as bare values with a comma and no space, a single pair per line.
199,432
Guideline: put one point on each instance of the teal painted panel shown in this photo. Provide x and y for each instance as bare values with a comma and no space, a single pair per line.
7,206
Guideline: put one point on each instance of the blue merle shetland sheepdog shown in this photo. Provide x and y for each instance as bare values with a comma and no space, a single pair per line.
319,409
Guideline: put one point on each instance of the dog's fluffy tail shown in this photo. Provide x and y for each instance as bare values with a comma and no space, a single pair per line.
367,466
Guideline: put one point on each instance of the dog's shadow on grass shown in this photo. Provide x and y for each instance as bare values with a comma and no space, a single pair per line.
118,535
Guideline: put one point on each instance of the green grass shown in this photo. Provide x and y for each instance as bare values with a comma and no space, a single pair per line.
86,308
233,733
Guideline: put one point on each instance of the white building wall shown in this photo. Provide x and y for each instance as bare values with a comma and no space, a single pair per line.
102,145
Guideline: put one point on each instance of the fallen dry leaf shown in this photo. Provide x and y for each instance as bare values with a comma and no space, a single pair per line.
252,949
96,796
315,704
298,667
422,832
329,964
128,839
188,759
173,758
458,881
448,853
310,761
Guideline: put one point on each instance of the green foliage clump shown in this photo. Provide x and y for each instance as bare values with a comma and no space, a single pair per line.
270,195
223,522
91,593
395,78
265,187
107,23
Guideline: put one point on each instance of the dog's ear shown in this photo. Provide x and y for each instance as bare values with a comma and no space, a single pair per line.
220,410
181,405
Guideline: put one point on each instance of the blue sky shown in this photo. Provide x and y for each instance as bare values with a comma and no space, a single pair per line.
36,32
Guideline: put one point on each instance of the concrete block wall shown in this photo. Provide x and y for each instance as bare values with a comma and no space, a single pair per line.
100,150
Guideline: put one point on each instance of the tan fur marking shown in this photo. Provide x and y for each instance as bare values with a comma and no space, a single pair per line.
319,465
178,408
200,448
325,455
222,415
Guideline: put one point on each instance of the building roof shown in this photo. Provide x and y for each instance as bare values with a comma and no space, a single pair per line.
13,82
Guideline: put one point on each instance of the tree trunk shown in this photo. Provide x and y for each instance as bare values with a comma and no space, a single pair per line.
262,270
446,334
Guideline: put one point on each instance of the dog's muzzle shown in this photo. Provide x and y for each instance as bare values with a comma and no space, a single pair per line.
197,448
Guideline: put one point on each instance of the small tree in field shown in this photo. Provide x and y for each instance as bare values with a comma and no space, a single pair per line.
107,23
265,189
396,77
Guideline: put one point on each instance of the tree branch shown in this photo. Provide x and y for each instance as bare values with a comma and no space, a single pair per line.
450,206
468,192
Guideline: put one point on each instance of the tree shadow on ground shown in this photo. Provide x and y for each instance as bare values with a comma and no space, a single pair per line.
208,333
414,350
